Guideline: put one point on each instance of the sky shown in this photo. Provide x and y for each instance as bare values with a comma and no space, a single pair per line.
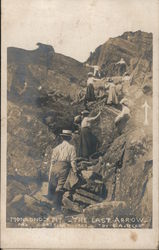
74,27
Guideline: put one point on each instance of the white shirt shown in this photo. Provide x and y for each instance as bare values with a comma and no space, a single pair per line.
126,78
96,67
121,61
90,80
64,152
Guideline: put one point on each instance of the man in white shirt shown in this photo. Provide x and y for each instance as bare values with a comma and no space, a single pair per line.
62,160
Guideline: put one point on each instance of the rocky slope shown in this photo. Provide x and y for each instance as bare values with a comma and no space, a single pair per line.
136,50
41,85
40,89
45,69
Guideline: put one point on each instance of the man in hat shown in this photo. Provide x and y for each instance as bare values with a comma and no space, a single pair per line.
62,160
88,141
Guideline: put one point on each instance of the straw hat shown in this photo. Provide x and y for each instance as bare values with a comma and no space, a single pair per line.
85,112
90,73
66,133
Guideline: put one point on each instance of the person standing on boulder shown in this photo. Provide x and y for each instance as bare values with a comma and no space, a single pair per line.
112,96
90,96
62,159
88,141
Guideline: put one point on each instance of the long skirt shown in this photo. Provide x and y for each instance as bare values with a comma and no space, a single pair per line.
90,96
88,143
58,176
112,97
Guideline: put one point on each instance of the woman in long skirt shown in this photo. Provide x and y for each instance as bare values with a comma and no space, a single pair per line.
88,141
112,96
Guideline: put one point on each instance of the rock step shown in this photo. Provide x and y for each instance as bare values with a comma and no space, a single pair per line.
89,195
82,199
42,199
70,205
106,208
94,187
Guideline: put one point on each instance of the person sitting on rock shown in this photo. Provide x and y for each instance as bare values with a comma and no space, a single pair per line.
123,117
88,141
62,159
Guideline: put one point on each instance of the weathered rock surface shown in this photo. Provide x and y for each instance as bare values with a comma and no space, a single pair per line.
83,199
89,195
40,84
105,208
28,203
134,47
71,206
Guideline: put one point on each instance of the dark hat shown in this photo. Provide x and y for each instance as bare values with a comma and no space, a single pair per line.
66,133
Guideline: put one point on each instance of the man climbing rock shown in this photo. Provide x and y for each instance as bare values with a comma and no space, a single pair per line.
62,159
88,141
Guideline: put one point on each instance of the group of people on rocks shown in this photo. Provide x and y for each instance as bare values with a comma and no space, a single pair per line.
106,88
64,156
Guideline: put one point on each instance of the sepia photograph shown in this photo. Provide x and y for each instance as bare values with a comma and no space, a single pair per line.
79,118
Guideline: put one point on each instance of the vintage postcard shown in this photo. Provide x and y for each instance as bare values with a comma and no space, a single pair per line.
79,124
